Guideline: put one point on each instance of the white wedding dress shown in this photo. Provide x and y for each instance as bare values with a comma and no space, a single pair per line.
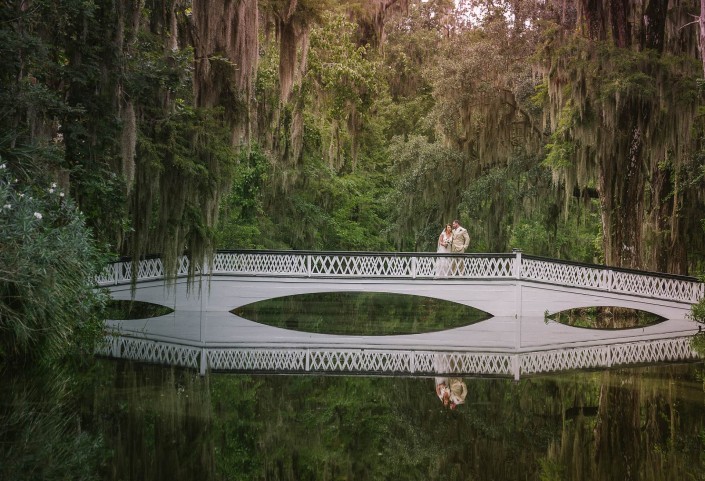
443,265
445,239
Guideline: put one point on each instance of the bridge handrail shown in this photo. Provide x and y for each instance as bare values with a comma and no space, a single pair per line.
415,265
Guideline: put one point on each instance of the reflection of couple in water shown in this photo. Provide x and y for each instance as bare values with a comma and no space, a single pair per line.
451,391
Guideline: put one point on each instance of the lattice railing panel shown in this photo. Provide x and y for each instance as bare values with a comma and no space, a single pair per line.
361,266
358,361
484,267
462,363
283,360
564,274
265,263
677,349
661,287
563,360
653,351
156,352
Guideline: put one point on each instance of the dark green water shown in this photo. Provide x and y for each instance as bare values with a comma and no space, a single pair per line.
123,421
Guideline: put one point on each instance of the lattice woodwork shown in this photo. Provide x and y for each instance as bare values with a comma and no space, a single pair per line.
252,263
677,349
150,351
659,287
564,274
279,360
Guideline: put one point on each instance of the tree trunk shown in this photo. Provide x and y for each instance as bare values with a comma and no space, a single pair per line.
702,33
655,24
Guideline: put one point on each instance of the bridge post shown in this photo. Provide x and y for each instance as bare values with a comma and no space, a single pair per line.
308,360
609,356
204,361
609,279
517,297
517,263
413,267
115,348
516,367
308,266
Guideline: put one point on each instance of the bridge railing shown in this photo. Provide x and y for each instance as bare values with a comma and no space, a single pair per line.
357,264
423,266
396,362
648,284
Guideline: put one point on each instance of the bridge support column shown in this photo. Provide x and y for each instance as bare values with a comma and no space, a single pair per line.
516,367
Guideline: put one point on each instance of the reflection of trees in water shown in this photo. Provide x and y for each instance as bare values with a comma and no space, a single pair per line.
168,424
361,313
156,422
607,317
41,436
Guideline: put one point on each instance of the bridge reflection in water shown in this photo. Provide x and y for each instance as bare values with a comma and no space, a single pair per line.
517,290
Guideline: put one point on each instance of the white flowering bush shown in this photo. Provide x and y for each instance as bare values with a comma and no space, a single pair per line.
49,308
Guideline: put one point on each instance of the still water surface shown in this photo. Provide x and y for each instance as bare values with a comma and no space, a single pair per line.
124,421
116,420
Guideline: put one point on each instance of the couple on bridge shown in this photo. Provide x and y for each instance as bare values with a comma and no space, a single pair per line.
453,240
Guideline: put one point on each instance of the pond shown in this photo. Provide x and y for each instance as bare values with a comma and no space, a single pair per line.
125,421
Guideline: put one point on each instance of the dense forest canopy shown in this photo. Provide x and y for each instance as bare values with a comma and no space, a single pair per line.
567,128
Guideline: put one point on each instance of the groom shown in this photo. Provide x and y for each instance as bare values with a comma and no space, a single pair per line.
458,244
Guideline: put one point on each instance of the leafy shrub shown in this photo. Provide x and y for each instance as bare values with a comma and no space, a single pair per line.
49,308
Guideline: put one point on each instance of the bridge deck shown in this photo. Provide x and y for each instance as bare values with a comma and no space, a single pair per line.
206,319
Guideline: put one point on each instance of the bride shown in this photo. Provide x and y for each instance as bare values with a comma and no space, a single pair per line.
444,240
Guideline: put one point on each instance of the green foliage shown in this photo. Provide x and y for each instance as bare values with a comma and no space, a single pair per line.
697,311
698,343
49,308
425,191
575,236
341,69
242,209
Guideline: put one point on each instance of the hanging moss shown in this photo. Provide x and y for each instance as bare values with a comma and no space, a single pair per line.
225,34
625,120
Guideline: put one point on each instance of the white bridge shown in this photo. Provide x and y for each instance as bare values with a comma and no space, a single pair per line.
517,290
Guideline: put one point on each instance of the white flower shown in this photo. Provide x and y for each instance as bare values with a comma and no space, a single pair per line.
51,191
61,194
37,215
2,166
21,195
53,185
7,206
